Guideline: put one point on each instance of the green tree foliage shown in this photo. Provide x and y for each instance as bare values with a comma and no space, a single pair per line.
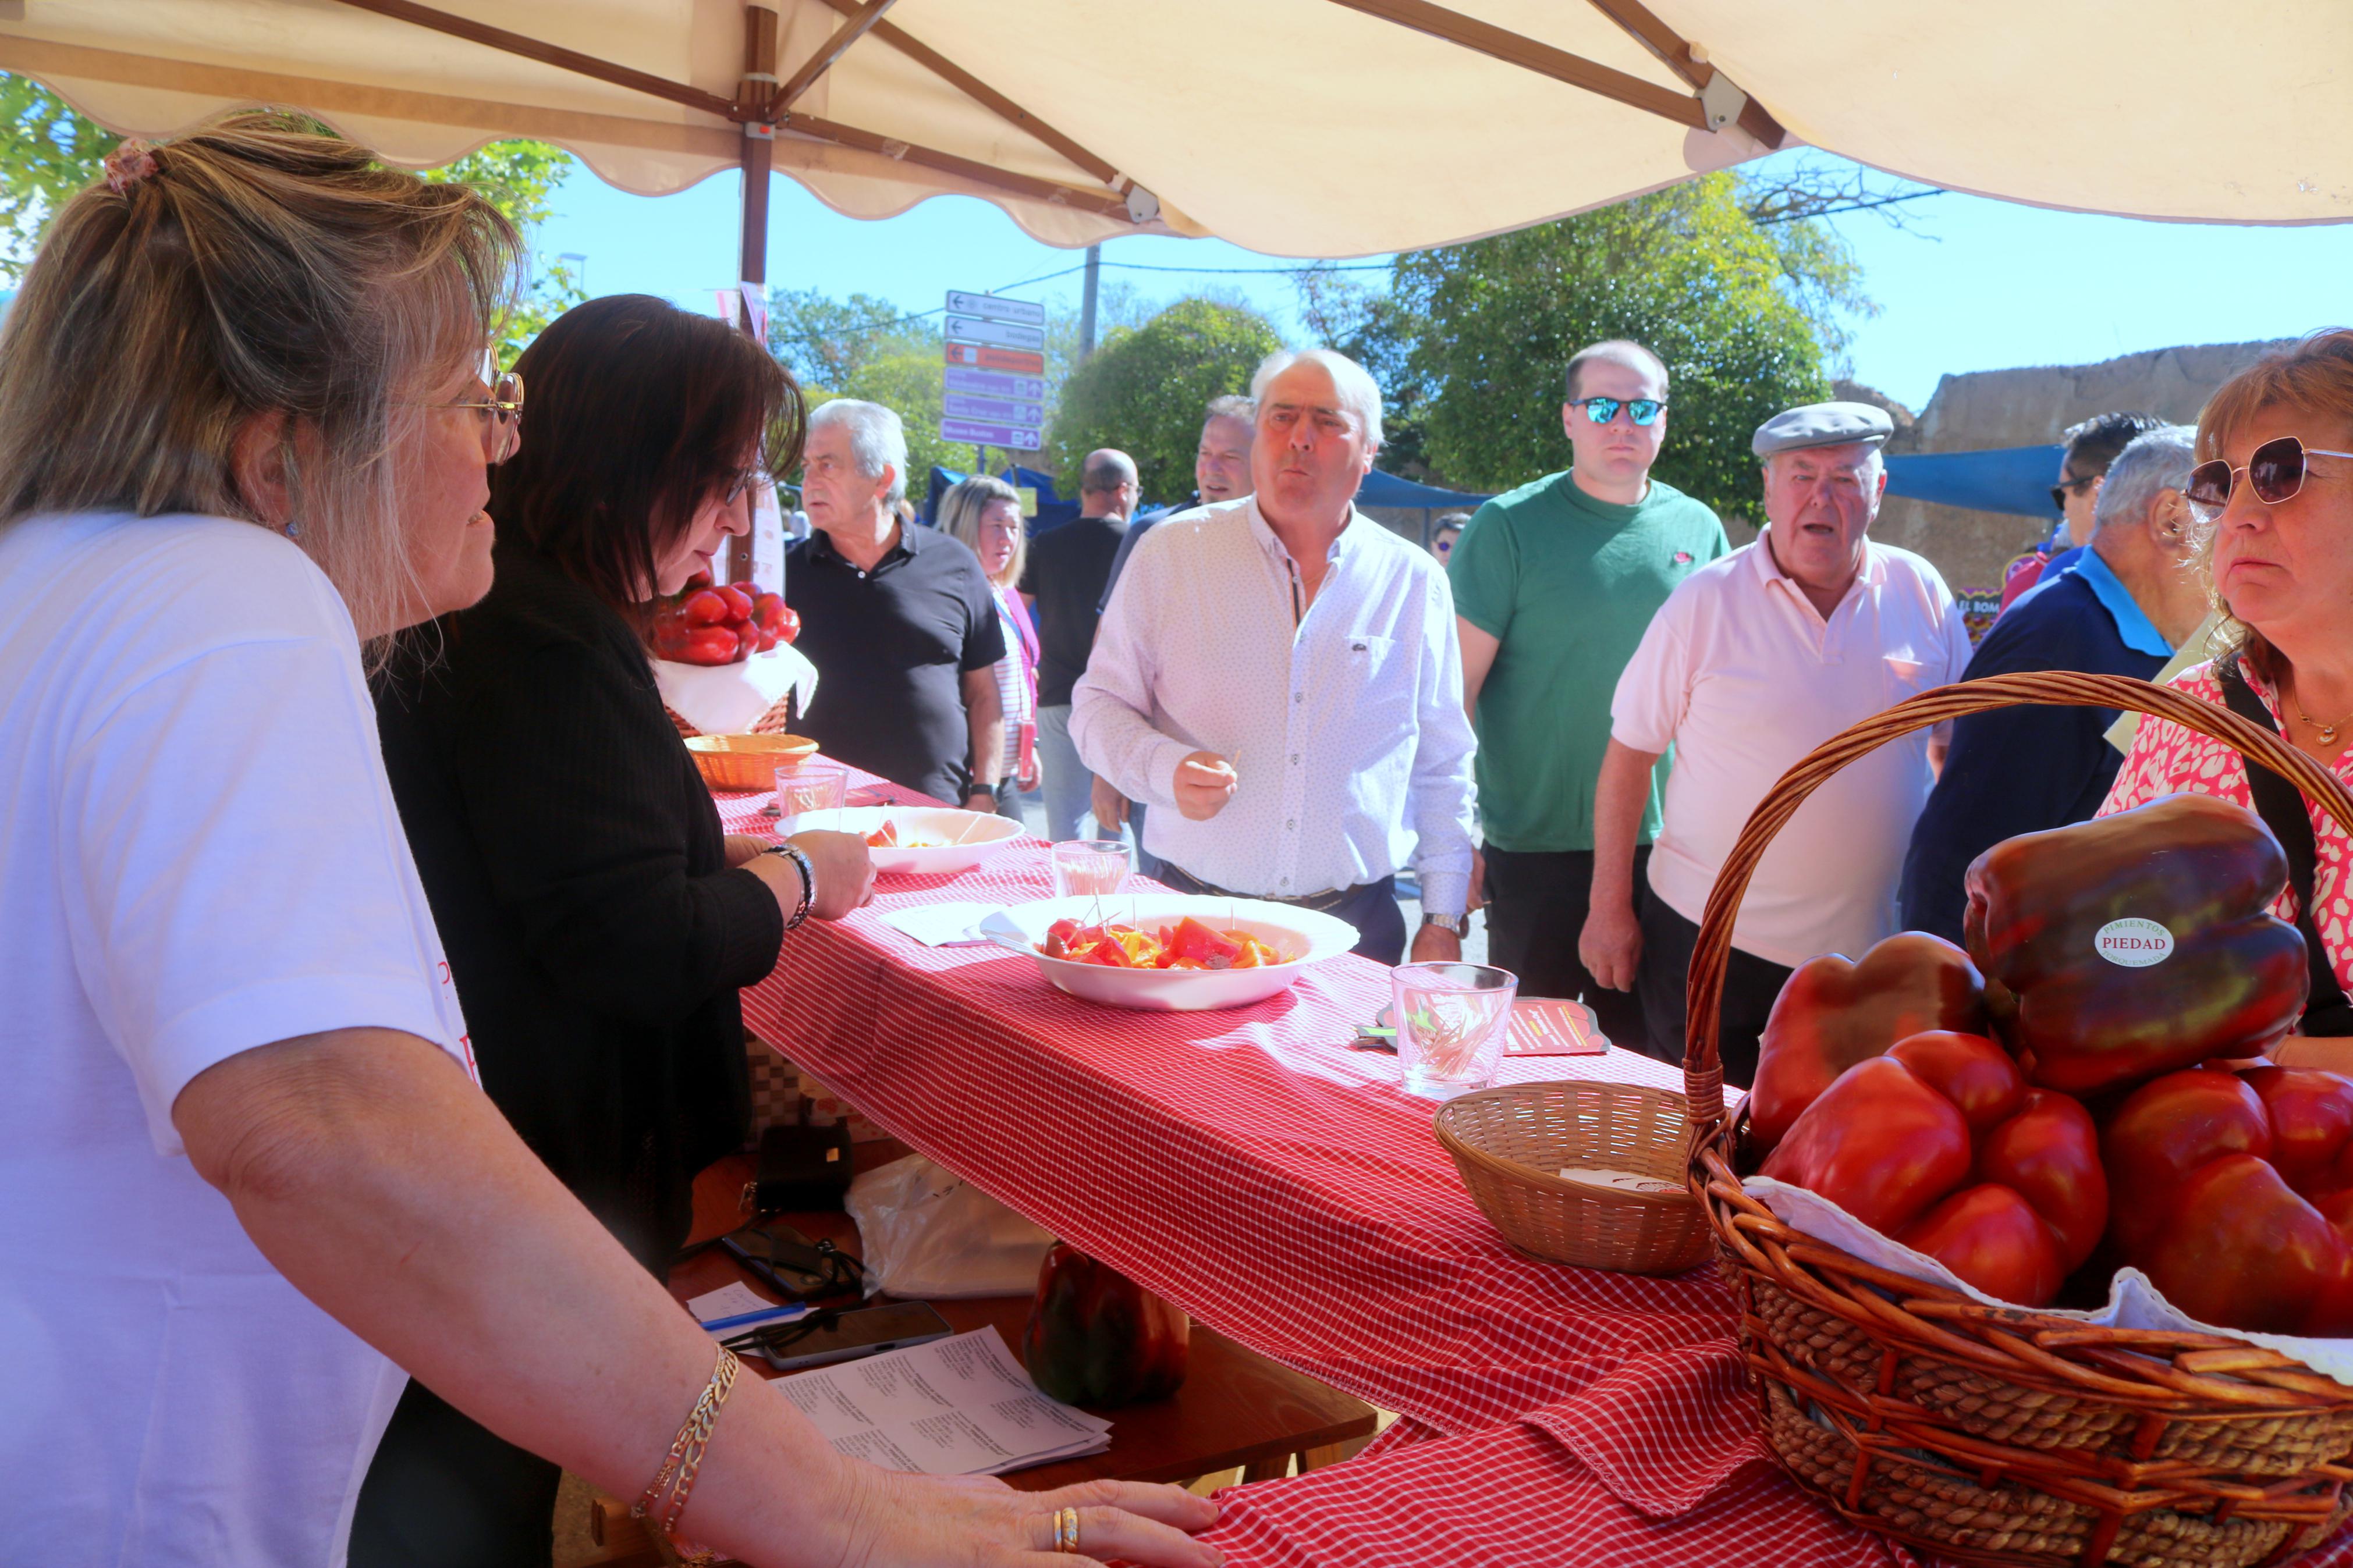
1469,342
1143,390
48,153
865,348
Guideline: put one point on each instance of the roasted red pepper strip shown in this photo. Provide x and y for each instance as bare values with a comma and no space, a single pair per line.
2117,950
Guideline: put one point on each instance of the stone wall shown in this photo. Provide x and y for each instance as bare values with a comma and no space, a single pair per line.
2025,407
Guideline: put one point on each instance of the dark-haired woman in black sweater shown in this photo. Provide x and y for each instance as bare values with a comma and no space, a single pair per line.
598,921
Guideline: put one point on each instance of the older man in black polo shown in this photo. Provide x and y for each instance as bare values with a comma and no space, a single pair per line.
898,621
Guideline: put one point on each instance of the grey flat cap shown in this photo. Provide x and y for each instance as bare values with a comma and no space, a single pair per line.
1821,425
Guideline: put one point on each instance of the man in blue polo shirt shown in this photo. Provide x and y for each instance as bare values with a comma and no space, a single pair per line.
2125,604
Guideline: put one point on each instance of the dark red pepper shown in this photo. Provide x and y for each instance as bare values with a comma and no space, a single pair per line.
1097,1338
2117,950
1835,1012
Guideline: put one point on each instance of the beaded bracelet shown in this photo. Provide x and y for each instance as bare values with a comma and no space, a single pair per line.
684,1461
808,880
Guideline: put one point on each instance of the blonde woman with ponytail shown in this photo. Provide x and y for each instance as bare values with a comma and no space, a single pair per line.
250,1182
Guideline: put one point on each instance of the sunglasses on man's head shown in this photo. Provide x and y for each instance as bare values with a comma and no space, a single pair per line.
2275,471
1602,410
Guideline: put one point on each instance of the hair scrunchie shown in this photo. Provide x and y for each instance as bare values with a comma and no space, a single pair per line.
128,164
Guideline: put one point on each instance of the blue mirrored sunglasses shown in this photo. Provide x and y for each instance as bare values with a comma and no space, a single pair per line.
1602,410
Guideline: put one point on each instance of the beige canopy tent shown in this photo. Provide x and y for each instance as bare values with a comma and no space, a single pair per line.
1312,128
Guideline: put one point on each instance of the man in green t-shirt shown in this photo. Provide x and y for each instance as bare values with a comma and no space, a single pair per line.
1554,586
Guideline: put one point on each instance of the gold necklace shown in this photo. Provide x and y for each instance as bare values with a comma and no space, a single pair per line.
2327,731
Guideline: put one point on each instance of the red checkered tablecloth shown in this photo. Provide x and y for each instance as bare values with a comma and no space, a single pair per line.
1251,1168
1246,1165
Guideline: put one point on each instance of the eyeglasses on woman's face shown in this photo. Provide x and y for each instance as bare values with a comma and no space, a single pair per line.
750,480
2275,471
502,417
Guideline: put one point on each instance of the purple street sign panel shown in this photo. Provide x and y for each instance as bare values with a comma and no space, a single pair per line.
963,405
997,383
971,433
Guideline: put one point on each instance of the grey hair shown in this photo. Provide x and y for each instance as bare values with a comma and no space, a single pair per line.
960,513
2156,460
1358,395
1233,405
877,440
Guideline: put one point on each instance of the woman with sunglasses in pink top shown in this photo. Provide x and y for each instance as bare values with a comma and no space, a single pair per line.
2273,494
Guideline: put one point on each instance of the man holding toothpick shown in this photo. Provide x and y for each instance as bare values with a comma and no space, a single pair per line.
1280,673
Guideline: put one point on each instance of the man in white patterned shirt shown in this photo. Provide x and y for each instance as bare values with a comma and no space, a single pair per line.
1280,673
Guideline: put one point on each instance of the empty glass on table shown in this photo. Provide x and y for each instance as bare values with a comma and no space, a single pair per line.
1452,1019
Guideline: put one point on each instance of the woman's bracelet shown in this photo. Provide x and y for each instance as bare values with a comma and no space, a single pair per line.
808,880
684,1460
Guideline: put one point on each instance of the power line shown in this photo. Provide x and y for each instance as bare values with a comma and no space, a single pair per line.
1125,266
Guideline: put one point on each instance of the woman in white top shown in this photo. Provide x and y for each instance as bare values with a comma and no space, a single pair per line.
986,514
242,1163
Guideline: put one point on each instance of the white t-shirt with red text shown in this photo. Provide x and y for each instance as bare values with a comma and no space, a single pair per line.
198,856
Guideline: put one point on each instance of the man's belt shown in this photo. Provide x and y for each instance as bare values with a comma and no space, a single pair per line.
1184,881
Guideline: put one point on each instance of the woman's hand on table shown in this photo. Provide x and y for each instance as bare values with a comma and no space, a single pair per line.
742,847
978,1522
845,871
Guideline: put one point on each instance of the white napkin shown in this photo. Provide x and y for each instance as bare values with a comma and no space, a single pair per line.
729,698
951,924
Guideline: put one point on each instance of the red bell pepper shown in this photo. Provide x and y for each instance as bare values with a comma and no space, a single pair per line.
1942,1145
2120,948
1835,1012
2241,1187
1192,940
1095,1337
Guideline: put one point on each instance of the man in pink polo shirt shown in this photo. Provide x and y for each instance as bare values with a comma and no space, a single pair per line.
1752,661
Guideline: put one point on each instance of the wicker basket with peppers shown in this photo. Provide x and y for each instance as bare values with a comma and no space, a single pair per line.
701,624
2080,1091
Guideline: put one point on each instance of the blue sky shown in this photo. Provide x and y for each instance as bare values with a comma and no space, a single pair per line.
1974,284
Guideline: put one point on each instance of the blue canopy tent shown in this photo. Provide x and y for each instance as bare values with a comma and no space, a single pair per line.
1052,511
2015,479
1388,490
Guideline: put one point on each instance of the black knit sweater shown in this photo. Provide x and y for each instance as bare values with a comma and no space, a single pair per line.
576,871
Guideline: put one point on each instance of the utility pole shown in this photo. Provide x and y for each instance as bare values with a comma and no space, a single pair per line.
1086,309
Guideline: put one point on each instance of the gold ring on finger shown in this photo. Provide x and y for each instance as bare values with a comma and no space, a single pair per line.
1066,1529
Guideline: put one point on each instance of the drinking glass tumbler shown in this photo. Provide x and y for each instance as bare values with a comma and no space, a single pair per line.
1452,1019
1089,866
810,786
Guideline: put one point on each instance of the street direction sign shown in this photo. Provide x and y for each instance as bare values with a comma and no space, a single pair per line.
996,308
999,410
996,383
1001,334
1019,438
1019,361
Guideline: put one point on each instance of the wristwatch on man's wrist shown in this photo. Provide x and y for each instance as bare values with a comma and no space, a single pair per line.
1459,924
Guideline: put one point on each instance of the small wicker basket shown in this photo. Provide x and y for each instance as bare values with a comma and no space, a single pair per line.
746,761
1509,1143
1999,1435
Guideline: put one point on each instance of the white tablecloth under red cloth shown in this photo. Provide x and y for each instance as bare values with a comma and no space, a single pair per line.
1253,1168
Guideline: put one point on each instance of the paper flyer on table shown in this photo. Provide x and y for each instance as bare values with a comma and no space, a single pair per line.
959,1407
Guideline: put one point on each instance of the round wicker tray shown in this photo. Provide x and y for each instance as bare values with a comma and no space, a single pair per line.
746,761
1510,1143
1999,1435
